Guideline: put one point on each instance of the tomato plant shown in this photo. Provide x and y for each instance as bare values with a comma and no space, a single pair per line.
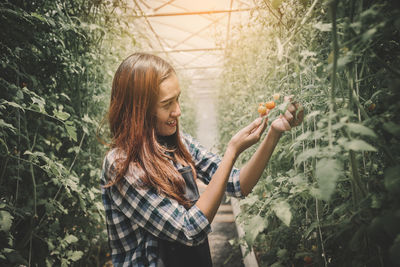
329,191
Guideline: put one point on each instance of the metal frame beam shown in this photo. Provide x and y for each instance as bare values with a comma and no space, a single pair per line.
207,12
198,32
189,50
203,67
163,5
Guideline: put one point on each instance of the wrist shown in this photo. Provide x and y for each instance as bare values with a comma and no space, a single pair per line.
274,133
231,152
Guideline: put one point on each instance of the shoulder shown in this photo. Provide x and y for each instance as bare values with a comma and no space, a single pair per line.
117,156
114,155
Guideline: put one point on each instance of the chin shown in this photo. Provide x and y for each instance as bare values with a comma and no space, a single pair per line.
167,133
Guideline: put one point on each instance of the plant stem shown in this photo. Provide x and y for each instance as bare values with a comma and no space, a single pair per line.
317,207
333,7
77,153
356,175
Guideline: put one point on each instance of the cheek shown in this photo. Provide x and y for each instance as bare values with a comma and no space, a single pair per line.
161,118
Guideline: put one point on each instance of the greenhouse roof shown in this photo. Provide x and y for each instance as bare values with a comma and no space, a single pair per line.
191,34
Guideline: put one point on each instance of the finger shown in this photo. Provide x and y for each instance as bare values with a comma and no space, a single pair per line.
252,126
288,98
261,128
288,116
262,125
299,115
285,123
291,108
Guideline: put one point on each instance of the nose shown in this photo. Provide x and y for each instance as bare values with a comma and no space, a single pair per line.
177,110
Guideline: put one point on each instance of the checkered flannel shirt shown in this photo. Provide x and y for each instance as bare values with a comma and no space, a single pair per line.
136,216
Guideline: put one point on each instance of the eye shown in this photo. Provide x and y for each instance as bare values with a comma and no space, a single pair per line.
167,104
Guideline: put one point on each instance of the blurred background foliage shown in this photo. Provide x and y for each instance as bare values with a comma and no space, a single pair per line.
57,61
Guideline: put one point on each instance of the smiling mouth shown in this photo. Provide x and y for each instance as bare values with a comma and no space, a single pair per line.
172,123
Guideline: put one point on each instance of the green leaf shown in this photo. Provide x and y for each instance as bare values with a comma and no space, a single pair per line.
61,114
66,96
368,34
70,239
359,145
327,172
303,156
5,220
249,200
304,136
4,124
71,131
40,103
12,104
74,255
392,179
38,16
19,95
392,128
282,211
323,27
360,129
312,114
313,226
64,263
254,226
282,253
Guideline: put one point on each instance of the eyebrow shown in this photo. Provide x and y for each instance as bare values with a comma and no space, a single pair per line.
169,99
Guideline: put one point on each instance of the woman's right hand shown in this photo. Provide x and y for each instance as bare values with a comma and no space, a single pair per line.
247,136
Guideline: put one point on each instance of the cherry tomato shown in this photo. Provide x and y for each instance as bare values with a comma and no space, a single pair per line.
276,96
270,105
307,259
372,107
262,110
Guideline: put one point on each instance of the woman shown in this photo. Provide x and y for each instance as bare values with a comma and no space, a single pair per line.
155,216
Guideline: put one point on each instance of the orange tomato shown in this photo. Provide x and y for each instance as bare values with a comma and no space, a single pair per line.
262,109
270,105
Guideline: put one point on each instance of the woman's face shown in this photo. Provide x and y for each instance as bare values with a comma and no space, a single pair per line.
168,109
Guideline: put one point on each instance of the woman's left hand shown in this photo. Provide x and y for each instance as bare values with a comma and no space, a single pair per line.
290,119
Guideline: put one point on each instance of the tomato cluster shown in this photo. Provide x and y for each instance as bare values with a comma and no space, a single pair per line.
263,108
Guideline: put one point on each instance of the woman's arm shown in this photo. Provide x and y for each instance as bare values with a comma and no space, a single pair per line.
252,170
210,200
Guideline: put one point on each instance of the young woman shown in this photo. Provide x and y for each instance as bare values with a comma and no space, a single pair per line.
155,216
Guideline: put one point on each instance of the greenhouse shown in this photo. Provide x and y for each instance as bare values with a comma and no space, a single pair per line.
170,133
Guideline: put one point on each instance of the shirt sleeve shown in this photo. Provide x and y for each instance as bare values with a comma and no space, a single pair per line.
207,163
161,216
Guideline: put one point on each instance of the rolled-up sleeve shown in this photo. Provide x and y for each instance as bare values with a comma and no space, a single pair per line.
207,163
161,216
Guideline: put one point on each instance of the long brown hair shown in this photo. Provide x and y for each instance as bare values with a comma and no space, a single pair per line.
132,120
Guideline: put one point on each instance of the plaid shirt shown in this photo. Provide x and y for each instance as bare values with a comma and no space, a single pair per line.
136,216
